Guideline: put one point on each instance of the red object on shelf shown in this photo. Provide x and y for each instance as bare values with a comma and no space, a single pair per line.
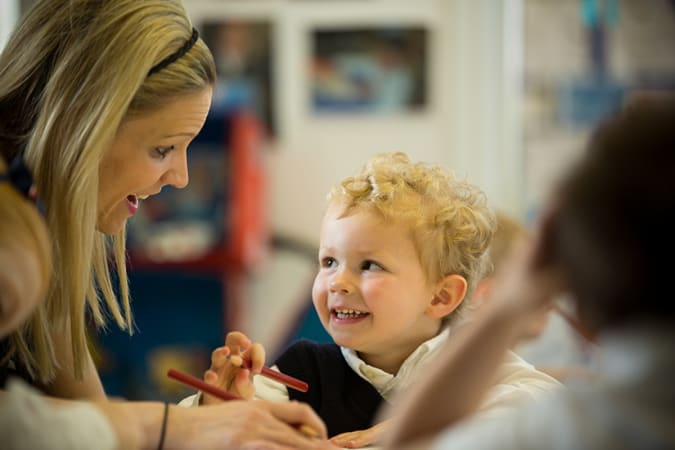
247,229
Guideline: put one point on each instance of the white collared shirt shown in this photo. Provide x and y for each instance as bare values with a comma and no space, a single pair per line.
516,379
389,385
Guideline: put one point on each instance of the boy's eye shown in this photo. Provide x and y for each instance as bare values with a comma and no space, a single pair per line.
328,262
163,151
370,265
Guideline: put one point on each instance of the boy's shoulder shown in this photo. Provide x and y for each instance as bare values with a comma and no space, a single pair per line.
304,349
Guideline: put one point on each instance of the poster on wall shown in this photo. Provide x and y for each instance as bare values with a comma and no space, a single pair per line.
374,70
243,55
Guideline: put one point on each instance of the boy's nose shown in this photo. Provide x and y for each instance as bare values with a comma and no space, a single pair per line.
341,286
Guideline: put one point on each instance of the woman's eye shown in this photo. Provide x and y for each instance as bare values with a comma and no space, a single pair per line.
370,265
163,151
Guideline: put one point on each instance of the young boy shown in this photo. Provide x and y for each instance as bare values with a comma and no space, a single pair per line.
402,244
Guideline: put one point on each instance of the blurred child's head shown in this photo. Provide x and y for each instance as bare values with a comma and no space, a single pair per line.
401,245
508,233
25,255
613,220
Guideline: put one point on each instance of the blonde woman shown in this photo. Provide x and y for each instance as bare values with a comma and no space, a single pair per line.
101,99
402,245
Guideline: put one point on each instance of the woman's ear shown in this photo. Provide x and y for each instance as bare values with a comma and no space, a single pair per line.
449,293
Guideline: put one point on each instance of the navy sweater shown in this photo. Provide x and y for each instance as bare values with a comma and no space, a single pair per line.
344,400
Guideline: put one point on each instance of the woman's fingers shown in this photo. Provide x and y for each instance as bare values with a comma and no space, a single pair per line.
279,422
298,414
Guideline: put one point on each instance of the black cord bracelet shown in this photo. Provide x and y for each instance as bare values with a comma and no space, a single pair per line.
163,432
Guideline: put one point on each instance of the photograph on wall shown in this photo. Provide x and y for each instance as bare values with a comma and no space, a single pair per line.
243,54
380,70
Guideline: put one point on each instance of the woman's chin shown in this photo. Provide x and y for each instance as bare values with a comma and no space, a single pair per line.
110,228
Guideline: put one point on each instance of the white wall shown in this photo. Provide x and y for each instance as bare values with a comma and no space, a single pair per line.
471,124
9,12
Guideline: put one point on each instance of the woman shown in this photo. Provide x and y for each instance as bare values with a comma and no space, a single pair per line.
101,99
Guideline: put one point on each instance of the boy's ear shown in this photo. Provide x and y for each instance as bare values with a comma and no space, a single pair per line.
450,292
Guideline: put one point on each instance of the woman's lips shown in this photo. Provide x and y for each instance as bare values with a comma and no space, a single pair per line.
132,204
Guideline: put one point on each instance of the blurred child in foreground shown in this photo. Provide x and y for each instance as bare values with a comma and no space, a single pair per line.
28,419
603,239
549,343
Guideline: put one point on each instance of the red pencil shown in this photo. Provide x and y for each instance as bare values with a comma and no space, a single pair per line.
224,395
202,386
288,380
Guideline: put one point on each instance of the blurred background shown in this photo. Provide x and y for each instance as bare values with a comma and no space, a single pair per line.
502,92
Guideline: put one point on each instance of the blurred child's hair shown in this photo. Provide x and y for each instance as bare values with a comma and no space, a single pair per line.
449,220
23,228
613,228
508,231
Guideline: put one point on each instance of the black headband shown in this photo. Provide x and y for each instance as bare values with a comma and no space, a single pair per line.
173,57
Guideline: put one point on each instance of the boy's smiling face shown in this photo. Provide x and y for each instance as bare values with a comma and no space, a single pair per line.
371,292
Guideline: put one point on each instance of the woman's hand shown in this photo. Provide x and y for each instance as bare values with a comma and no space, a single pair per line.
241,425
361,438
227,372
245,425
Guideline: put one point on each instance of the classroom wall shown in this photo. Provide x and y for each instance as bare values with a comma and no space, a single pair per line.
464,127
502,78
471,125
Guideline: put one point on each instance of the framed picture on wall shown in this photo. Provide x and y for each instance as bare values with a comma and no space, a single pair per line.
243,55
378,70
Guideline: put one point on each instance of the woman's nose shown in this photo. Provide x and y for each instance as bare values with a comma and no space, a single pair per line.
177,175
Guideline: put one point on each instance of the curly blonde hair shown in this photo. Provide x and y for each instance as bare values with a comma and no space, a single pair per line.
449,220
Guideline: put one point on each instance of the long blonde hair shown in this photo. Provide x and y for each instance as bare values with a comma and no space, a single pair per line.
71,73
449,220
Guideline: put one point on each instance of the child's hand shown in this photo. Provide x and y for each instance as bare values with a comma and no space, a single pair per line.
361,438
226,371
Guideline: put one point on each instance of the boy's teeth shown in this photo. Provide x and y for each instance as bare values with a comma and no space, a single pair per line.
348,313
